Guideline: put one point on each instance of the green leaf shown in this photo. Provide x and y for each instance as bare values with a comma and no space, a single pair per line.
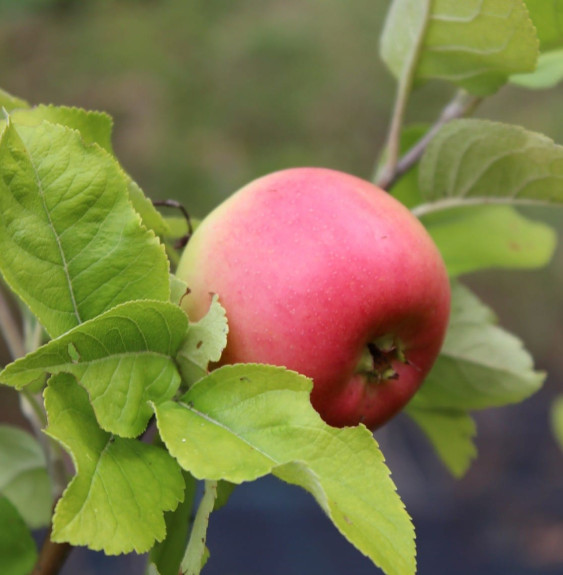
23,476
547,75
480,364
557,419
477,238
204,343
123,358
94,127
224,491
244,421
72,246
116,500
167,555
9,102
152,218
475,44
478,162
152,570
17,548
451,432
547,17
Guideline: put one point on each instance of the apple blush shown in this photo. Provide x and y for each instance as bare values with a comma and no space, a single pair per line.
329,276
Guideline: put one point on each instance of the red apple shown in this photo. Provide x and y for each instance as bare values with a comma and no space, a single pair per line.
327,275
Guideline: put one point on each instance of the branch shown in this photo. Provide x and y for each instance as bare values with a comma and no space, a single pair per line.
52,557
463,104
174,204
406,80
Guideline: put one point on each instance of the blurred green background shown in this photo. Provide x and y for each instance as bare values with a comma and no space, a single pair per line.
209,94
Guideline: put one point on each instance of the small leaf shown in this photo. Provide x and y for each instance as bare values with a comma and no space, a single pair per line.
477,238
123,358
9,102
475,44
204,343
17,548
72,246
116,500
547,75
478,162
23,476
94,127
557,419
480,365
548,20
451,432
244,421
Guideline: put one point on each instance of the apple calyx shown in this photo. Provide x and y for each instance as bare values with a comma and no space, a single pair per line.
376,361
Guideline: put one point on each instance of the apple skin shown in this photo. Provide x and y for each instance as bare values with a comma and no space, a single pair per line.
312,265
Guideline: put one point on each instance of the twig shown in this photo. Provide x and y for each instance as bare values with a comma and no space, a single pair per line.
174,204
52,557
463,104
193,558
401,101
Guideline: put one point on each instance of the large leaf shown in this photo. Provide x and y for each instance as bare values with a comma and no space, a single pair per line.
17,548
122,487
242,422
477,162
547,16
475,44
94,127
72,246
481,237
23,476
124,358
451,432
480,364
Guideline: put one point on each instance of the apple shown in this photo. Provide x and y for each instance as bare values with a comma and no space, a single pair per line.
327,275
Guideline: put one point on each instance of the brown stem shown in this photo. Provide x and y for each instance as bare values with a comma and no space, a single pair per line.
52,557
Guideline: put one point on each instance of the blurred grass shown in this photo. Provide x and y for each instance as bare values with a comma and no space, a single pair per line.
209,95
